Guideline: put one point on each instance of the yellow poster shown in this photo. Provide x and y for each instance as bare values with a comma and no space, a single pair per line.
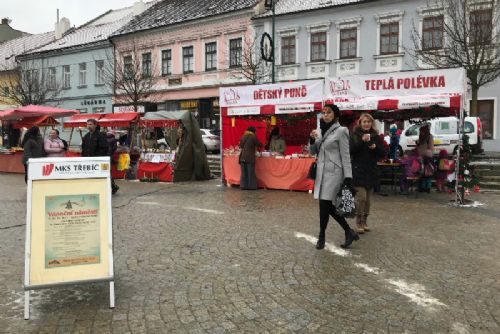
69,231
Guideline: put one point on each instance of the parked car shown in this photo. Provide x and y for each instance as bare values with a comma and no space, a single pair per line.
211,141
445,133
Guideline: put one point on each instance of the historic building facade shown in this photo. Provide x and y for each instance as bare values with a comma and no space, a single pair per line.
317,39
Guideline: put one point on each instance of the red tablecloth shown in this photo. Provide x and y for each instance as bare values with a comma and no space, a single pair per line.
287,174
163,171
12,163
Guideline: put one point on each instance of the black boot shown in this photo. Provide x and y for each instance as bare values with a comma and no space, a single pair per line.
350,236
321,241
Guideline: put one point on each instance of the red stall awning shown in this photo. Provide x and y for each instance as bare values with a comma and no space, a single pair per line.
35,111
122,119
28,122
80,120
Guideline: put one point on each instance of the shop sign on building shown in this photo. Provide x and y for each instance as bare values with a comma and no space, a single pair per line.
117,109
189,104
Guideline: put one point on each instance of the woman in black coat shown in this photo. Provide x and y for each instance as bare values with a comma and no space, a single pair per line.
33,148
366,149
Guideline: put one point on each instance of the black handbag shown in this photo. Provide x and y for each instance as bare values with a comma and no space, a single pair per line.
345,205
312,171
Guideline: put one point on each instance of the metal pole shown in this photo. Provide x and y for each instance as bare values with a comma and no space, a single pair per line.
273,52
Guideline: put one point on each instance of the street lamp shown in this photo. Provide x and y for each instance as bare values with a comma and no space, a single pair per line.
269,4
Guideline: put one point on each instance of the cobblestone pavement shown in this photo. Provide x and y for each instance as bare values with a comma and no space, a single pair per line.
200,258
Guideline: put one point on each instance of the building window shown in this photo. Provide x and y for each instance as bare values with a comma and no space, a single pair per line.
82,111
6,91
288,50
211,56
166,62
348,43
66,77
481,27
51,78
389,38
82,74
432,32
99,72
485,110
235,52
187,59
146,65
98,110
318,46
128,67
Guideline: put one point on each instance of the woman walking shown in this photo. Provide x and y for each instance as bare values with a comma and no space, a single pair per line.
248,144
54,146
33,148
366,149
331,144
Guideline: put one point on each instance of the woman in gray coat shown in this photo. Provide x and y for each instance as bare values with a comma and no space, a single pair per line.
331,145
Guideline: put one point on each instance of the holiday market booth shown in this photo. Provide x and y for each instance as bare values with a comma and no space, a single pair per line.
24,118
416,96
291,107
189,154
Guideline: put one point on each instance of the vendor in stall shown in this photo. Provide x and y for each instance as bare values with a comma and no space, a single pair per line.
276,142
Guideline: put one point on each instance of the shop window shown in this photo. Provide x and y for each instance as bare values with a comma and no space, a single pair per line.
485,113
288,50
146,65
389,38
211,56
6,91
432,32
187,59
82,74
166,62
318,46
98,110
348,43
235,52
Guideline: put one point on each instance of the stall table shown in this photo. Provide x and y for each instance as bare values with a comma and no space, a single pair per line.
162,171
12,163
394,166
272,173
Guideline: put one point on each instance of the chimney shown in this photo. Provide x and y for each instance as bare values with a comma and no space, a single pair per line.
6,21
139,7
61,27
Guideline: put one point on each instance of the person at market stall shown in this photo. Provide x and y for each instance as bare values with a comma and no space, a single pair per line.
331,144
53,145
425,149
248,144
33,148
366,149
276,142
95,144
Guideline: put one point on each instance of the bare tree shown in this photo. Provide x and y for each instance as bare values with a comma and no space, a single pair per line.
28,84
463,33
253,67
130,75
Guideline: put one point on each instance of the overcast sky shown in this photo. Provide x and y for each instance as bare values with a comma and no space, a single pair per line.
37,16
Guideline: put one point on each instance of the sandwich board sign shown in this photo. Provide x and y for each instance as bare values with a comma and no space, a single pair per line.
69,235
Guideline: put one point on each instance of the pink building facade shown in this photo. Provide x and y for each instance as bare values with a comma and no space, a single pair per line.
190,60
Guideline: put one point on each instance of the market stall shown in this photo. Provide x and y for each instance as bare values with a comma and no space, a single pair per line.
26,117
289,106
182,160
408,95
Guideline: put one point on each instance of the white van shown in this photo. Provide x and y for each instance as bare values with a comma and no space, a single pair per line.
445,133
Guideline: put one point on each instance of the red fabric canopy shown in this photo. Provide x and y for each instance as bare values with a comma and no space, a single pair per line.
80,120
35,111
122,119
28,122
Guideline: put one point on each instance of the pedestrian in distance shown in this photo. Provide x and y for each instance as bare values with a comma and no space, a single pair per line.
331,145
95,144
53,145
425,149
366,149
33,148
248,144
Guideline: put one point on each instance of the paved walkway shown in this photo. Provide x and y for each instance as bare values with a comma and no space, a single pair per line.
200,258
